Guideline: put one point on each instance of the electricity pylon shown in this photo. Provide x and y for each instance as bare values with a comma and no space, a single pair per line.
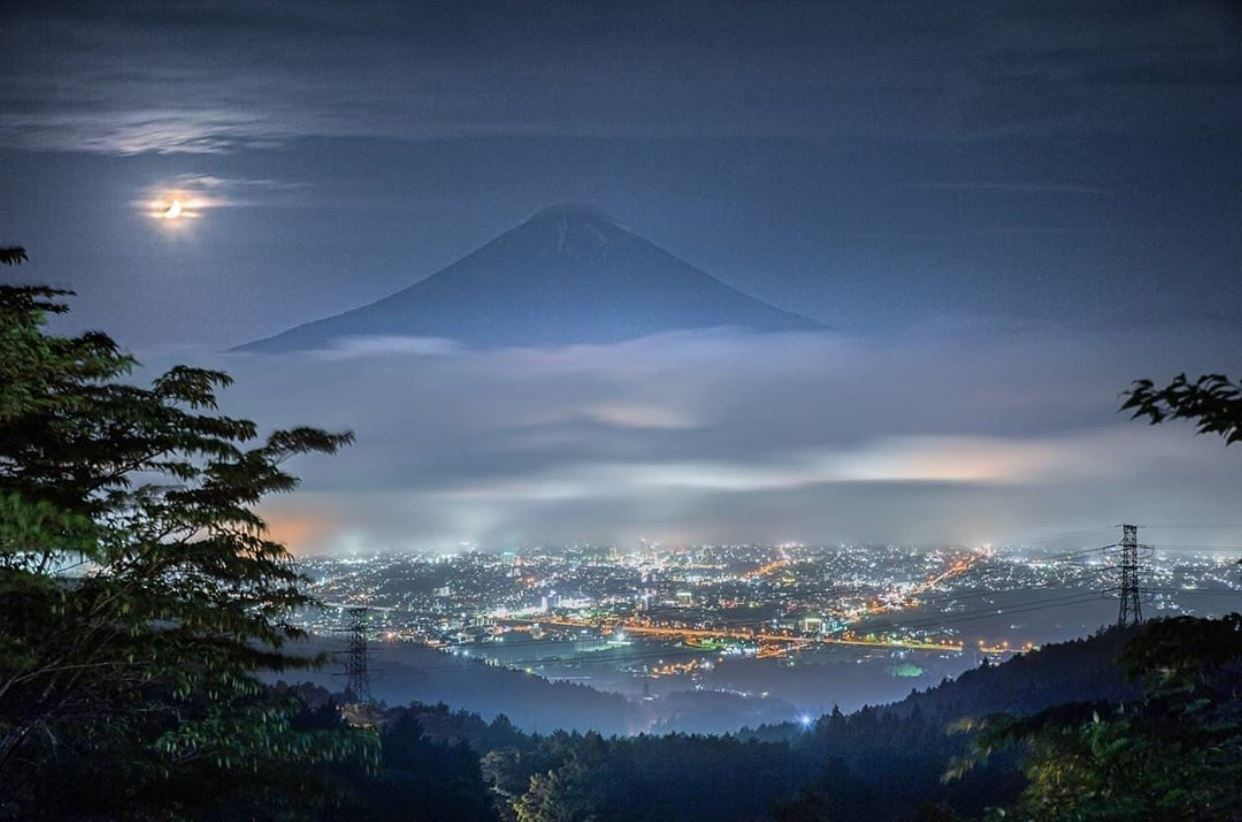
357,677
1131,611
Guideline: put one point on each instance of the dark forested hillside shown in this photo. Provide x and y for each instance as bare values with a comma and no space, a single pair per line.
1081,669
884,762
417,673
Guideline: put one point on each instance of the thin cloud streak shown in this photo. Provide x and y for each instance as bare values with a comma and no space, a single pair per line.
948,460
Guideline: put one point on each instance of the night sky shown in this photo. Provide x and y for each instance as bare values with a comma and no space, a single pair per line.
1003,212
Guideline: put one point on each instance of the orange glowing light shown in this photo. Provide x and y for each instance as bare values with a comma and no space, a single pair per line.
296,531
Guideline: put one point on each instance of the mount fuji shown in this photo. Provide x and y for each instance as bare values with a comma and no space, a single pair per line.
569,274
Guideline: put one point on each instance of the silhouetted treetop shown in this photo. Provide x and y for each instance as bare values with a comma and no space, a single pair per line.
1212,401
12,255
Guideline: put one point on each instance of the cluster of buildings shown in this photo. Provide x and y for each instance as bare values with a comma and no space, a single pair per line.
765,600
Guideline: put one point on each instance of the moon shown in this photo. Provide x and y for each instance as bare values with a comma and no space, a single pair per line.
173,211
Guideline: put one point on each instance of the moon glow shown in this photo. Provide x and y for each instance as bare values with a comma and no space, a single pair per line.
173,207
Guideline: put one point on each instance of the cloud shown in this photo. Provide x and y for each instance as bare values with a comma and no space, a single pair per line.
641,415
213,77
235,186
346,348
197,194
1082,456
724,436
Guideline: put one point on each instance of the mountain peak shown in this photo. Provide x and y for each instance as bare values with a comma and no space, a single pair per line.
575,212
569,274
577,230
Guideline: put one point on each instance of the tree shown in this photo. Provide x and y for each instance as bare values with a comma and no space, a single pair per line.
139,592
1212,401
1174,754
557,796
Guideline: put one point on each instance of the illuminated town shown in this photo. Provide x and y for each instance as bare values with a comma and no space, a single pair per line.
676,613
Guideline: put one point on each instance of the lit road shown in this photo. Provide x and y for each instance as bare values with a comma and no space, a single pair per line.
674,632
772,644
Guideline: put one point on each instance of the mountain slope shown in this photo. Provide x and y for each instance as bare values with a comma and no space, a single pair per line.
1079,670
569,274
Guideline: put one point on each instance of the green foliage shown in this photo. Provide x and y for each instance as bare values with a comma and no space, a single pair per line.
562,795
1174,754
139,592
583,777
1186,655
418,777
1212,401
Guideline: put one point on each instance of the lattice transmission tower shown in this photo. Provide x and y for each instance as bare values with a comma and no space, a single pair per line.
357,676
1131,610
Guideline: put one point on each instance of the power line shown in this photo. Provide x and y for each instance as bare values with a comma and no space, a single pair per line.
1165,546
1037,604
1188,526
